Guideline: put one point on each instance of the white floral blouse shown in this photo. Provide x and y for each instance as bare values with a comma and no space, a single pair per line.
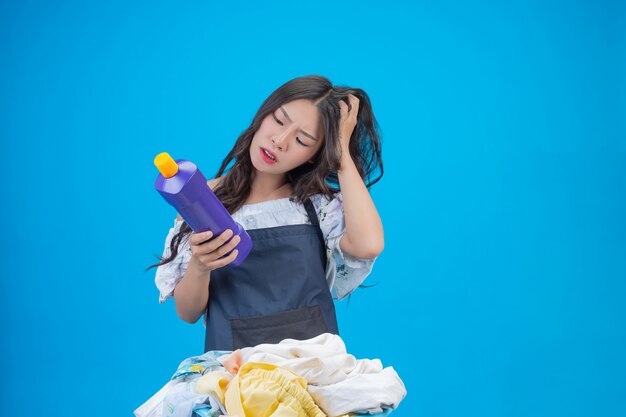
343,272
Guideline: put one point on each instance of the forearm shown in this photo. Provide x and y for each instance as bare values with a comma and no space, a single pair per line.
192,293
364,228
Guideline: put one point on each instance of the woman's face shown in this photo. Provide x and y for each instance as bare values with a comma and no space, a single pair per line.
291,135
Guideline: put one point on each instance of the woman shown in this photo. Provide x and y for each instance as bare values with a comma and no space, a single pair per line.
298,176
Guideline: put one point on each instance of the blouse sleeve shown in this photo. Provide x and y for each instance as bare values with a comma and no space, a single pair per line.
344,272
168,275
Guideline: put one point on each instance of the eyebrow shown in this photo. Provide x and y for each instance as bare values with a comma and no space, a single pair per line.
291,121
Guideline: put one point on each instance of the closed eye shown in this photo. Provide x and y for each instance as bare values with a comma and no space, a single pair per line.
297,138
277,121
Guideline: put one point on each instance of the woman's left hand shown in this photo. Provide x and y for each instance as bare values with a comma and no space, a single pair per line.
348,120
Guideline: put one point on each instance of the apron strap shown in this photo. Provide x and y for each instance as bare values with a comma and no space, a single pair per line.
308,205
310,209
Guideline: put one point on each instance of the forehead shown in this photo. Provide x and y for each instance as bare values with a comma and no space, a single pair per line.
303,113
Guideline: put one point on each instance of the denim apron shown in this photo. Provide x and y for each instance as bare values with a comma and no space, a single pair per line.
280,291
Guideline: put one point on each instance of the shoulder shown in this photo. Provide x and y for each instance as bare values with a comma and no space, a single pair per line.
214,182
330,213
323,203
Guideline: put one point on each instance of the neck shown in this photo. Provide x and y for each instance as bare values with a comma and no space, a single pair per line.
267,186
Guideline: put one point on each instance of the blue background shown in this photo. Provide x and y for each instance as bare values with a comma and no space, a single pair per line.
501,290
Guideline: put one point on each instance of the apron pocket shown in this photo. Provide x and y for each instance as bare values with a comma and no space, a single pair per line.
300,324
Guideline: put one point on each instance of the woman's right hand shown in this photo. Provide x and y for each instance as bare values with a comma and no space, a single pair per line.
207,251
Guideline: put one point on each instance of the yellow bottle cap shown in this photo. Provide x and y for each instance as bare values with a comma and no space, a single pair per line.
166,165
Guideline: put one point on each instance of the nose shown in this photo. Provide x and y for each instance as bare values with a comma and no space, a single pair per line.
280,139
277,142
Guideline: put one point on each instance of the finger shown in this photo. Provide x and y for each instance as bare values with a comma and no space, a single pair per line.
349,103
198,238
216,242
232,243
224,261
227,247
342,106
354,101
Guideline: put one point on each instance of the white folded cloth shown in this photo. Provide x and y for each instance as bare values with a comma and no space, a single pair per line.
338,382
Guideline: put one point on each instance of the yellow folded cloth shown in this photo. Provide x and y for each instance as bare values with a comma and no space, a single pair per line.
214,383
260,390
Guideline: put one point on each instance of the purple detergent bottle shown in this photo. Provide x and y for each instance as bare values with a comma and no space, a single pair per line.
183,186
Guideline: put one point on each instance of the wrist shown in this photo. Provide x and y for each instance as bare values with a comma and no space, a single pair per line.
346,161
201,270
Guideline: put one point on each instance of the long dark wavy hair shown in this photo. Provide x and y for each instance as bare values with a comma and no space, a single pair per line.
319,177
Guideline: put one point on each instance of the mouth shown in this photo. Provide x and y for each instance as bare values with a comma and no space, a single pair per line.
268,156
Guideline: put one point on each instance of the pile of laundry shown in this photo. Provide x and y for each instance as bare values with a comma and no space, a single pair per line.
314,377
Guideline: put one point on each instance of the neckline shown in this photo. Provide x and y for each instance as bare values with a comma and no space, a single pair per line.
254,204
267,201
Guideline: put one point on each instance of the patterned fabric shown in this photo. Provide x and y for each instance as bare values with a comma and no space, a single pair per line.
199,386
199,365
344,272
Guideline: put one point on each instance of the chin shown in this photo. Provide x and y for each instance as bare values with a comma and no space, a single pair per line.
259,165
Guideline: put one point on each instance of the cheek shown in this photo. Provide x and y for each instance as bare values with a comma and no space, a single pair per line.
269,132
267,125
311,153
264,131
319,149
